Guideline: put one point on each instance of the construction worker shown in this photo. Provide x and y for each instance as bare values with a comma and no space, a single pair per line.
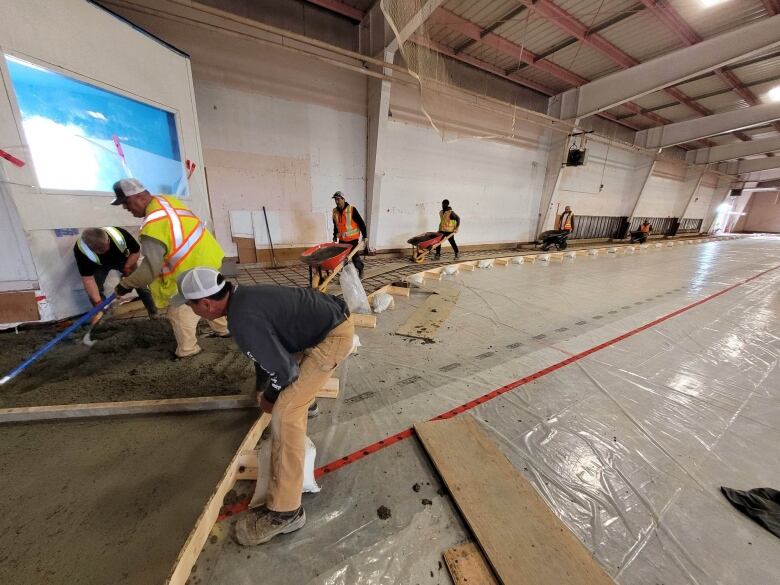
296,337
566,221
348,227
98,251
449,222
173,240
642,233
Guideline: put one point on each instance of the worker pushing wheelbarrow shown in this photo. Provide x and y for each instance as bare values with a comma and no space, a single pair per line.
325,261
449,222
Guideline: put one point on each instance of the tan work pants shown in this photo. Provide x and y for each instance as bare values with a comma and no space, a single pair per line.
289,417
185,327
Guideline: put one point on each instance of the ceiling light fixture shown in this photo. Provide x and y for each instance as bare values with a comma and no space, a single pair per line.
710,3
774,94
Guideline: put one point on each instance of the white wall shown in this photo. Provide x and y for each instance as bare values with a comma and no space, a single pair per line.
278,129
88,43
493,187
607,184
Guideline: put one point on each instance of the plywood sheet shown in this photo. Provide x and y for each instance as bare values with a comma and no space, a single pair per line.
523,540
426,320
18,306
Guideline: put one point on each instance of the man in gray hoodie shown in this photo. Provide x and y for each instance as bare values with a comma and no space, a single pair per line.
296,337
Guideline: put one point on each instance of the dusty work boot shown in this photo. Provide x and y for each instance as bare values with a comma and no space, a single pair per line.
260,525
314,410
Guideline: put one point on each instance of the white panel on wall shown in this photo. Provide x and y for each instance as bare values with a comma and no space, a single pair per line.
495,188
241,223
261,229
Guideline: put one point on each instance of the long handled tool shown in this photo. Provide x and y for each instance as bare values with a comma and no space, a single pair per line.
270,241
45,348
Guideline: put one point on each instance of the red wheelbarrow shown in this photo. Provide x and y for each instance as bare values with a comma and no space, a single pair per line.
424,243
326,260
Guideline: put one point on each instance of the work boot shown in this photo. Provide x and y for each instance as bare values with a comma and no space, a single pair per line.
260,525
314,410
212,334
457,256
436,256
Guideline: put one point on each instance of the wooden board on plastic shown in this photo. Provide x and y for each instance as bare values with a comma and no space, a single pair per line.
467,565
426,320
523,540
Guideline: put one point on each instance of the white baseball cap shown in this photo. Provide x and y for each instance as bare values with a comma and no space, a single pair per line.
125,188
197,283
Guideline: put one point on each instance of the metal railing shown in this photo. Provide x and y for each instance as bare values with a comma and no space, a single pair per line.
588,227
661,225
690,226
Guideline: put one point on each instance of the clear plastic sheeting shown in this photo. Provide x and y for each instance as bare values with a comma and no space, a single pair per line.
629,443
353,291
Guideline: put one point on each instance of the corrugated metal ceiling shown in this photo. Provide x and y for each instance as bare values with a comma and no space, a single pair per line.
629,26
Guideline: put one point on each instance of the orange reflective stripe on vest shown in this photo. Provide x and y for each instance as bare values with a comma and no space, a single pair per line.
182,245
566,221
347,229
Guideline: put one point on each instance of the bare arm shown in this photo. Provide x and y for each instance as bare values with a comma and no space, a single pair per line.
92,289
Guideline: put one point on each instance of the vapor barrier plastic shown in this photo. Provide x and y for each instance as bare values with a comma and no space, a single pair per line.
629,444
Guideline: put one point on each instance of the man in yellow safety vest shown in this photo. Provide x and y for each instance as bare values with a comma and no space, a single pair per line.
348,226
449,222
566,221
173,240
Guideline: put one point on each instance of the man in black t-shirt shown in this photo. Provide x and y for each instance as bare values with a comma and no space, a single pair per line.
99,251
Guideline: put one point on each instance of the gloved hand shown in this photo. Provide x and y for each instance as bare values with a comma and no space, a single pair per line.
121,290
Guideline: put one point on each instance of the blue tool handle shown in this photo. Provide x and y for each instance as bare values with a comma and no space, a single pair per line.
45,348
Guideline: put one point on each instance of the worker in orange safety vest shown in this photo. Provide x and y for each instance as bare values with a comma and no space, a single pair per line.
566,220
348,226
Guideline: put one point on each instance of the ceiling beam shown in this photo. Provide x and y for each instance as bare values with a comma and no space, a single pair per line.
568,23
682,132
666,13
772,6
484,66
717,154
620,17
671,68
473,31
491,27
339,8
753,165
709,94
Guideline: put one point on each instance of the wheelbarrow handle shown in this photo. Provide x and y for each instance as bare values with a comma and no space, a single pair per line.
45,348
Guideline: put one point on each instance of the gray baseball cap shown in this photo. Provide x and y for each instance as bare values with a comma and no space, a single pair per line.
125,188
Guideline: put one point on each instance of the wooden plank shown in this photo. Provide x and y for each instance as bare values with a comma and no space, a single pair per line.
18,306
424,323
398,291
364,320
501,261
468,566
467,266
523,540
330,389
136,407
197,537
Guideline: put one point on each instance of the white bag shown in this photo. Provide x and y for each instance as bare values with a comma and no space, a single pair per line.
354,294
485,264
450,270
518,260
264,465
381,302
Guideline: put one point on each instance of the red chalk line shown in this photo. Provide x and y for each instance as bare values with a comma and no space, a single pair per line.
409,432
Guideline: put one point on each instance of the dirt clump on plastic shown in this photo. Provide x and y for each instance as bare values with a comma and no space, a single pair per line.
131,360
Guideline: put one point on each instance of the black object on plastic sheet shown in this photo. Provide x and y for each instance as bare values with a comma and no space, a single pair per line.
760,504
